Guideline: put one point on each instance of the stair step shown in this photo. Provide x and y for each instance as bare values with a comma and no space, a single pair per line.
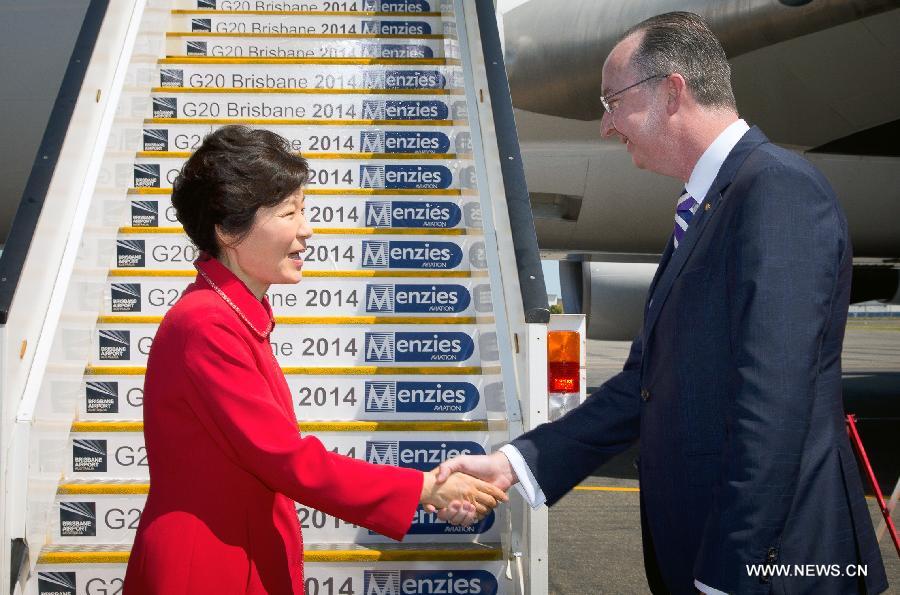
331,345
334,107
312,141
343,297
310,46
410,397
344,215
413,7
109,512
240,23
363,75
115,450
323,253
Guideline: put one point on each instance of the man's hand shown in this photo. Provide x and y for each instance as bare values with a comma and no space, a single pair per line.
472,498
493,468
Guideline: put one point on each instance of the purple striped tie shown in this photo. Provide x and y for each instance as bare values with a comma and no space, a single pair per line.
685,210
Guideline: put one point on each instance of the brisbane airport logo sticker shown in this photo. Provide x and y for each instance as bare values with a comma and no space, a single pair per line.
429,582
56,583
391,298
171,77
401,141
156,139
195,48
144,213
420,397
89,456
416,254
131,253
146,175
412,214
78,519
115,345
102,397
126,297
165,107
390,109
410,347
201,25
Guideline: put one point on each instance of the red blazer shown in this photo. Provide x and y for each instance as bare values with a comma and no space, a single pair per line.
226,458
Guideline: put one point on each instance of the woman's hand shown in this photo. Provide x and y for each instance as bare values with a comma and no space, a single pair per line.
478,497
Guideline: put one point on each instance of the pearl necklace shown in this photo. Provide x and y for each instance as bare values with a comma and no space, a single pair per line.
261,335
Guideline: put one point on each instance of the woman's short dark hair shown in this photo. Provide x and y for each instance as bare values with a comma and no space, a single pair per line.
236,171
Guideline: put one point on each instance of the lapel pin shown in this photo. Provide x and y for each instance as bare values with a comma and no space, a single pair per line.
707,207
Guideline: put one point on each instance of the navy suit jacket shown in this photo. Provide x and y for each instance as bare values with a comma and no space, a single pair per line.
734,388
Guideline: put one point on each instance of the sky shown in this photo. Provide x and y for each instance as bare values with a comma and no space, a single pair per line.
551,276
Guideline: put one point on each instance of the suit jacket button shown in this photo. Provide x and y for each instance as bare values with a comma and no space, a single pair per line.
645,395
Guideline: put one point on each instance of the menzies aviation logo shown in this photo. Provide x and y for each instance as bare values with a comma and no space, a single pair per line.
56,583
131,253
78,519
396,6
402,213
420,397
418,347
397,254
399,141
395,50
89,456
396,28
429,582
102,397
418,177
115,345
144,213
126,297
404,79
389,109
392,298
165,107
418,454
146,175
171,77
156,139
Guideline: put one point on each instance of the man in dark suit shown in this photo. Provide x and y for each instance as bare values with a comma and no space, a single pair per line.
734,383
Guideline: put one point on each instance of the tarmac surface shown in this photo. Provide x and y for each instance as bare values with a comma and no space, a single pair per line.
595,537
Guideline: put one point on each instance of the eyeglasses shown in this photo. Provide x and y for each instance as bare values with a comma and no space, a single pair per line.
604,99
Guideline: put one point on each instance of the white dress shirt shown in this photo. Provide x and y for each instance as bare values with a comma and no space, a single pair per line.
702,177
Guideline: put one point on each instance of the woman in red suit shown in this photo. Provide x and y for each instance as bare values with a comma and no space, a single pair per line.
226,459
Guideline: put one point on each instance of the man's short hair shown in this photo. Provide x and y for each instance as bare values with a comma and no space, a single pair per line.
682,42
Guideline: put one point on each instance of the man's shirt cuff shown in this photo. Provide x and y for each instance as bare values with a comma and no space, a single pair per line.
528,485
707,589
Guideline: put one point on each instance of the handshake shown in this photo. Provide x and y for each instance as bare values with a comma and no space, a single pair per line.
465,489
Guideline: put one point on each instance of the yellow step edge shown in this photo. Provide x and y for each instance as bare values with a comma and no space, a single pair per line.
319,371
395,156
443,320
301,91
329,231
302,122
314,61
315,426
341,36
311,274
308,13
343,192
482,554
72,489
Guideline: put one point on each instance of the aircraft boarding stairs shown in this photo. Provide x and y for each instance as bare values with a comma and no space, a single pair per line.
407,340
